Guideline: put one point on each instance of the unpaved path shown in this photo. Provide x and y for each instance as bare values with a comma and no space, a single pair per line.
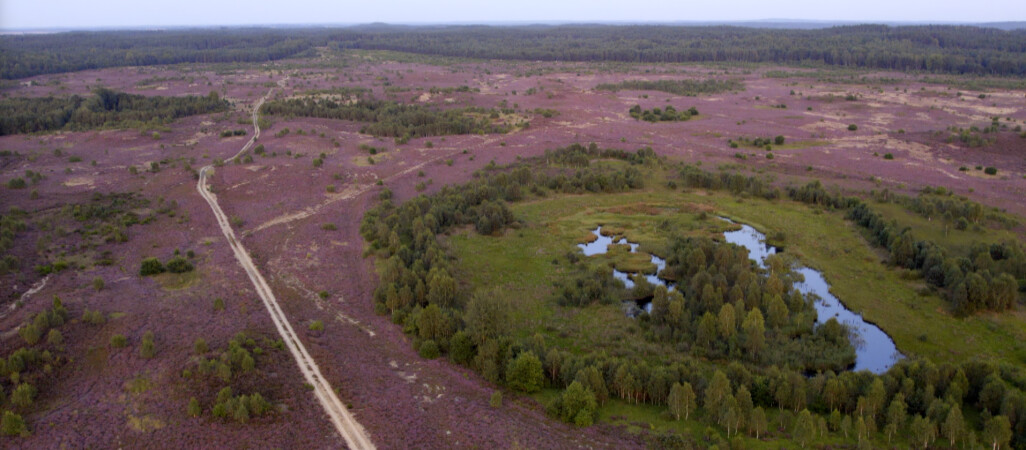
351,431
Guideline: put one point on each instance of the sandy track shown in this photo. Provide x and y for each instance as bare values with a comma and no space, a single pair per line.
351,431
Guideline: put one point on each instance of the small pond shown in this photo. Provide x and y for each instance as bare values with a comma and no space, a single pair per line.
874,349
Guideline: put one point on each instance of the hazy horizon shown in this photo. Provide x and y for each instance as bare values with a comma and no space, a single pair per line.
66,14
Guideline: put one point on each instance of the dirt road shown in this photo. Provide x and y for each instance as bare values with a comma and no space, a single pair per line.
351,431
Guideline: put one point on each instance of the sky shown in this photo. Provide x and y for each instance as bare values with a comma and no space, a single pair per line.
44,14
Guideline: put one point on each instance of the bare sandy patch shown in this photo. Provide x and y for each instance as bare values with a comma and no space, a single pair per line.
79,181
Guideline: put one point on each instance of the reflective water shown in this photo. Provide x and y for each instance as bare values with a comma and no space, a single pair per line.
601,245
874,350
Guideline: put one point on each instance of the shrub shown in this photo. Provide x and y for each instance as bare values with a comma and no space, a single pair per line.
194,408
147,349
218,304
179,265
16,183
496,400
118,341
13,425
429,349
98,283
316,325
200,346
779,140
151,266
329,227
888,156
853,127
990,171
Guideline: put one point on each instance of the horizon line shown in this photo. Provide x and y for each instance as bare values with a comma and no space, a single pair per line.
826,23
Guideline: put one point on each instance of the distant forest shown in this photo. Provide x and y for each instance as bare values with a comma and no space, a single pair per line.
106,109
938,49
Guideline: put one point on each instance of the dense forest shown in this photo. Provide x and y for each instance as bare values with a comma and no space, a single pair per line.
27,55
941,49
950,49
106,109
963,404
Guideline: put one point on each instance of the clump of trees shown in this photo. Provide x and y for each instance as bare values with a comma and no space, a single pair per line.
758,142
24,367
389,118
153,266
668,114
106,109
228,366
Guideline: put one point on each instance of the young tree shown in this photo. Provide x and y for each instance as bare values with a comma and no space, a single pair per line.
592,379
487,317
954,425
677,401
804,428
716,393
577,405
897,414
998,432
525,373
726,322
758,423
922,431
13,425
194,408
755,333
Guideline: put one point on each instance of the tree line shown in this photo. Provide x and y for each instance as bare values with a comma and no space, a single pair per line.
688,88
988,278
931,48
36,54
105,109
